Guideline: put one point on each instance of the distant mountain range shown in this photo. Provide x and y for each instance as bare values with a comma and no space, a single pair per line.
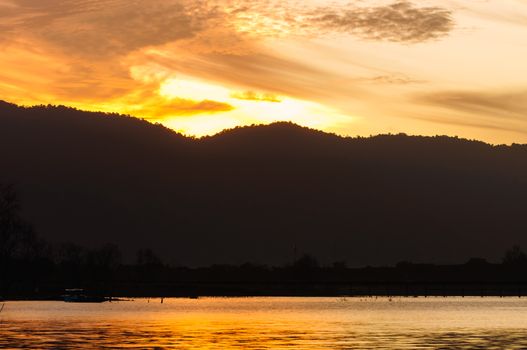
262,193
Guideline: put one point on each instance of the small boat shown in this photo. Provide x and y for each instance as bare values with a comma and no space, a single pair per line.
78,296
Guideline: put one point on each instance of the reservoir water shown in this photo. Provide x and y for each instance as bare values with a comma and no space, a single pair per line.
268,323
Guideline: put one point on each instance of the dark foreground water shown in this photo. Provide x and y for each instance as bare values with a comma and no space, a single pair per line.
268,323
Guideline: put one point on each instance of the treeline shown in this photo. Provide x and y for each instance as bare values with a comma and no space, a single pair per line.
101,271
32,267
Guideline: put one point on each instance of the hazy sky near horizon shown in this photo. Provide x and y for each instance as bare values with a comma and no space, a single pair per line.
455,67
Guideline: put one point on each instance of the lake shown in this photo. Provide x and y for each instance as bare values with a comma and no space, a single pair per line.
268,323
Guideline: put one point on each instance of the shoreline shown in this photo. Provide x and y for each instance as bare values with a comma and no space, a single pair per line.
195,290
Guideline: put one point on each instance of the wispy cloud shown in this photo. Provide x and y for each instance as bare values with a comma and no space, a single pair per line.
488,125
92,40
391,79
262,71
511,104
359,58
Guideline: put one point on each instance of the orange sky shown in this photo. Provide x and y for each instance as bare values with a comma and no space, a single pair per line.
454,67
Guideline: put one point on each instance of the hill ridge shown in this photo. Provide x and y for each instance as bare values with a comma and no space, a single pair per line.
4,105
255,194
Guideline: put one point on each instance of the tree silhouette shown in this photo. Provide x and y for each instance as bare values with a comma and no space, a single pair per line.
147,257
306,262
515,256
17,238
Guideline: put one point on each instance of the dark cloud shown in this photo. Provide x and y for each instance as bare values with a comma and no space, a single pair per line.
401,21
111,27
495,104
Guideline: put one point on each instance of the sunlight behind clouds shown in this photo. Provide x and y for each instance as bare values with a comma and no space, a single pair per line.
357,68
185,88
244,111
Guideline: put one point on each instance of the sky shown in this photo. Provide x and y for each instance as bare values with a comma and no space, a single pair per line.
364,67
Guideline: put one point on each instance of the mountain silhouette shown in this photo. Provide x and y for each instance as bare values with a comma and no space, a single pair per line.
261,193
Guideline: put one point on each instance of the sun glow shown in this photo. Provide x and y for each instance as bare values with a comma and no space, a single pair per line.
355,68
192,89
247,108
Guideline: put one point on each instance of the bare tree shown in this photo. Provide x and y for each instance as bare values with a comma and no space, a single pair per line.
17,238
515,256
9,222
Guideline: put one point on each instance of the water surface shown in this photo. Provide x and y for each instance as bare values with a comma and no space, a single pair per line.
269,323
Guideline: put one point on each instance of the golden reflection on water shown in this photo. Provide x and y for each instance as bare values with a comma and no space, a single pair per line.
268,323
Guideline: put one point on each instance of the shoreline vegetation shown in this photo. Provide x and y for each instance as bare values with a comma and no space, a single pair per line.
295,289
290,289
34,269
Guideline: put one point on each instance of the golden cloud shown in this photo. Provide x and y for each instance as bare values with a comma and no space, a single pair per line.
91,42
255,96
158,107
84,52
